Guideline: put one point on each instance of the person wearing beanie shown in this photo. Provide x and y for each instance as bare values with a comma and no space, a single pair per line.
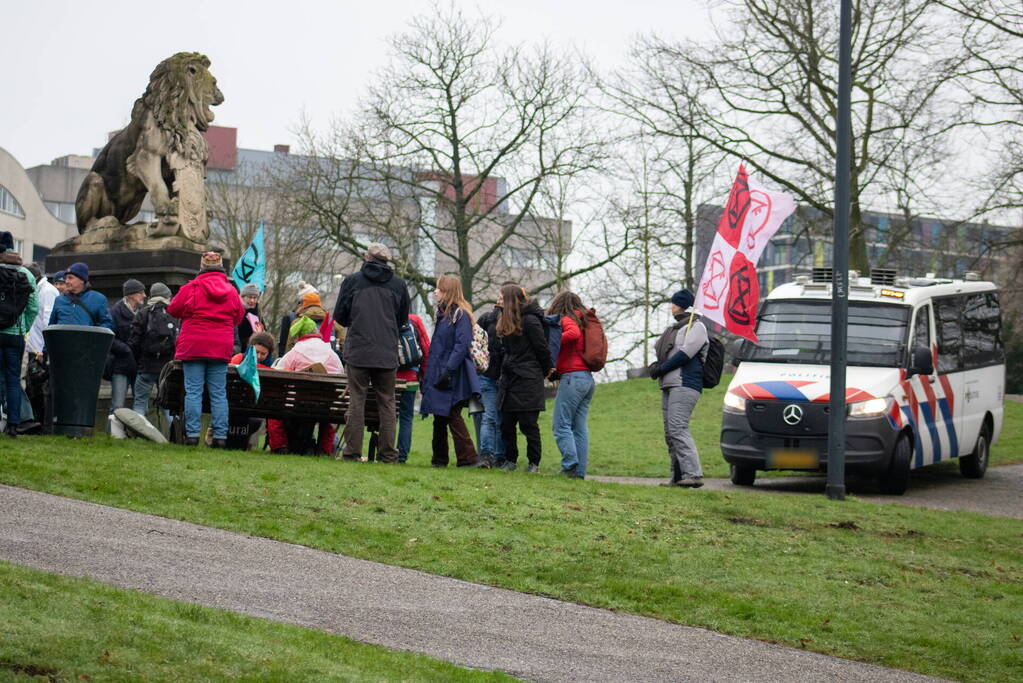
309,354
19,308
253,321
679,371
209,309
58,281
80,304
154,333
304,288
372,306
121,366
312,308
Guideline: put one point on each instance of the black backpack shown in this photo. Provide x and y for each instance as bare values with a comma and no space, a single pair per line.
161,332
713,363
15,290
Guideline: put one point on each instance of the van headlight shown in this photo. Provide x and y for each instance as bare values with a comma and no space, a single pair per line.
735,403
869,408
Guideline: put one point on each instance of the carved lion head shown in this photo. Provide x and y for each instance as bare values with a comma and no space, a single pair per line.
180,93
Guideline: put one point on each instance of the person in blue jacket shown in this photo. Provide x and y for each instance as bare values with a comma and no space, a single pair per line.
450,379
79,304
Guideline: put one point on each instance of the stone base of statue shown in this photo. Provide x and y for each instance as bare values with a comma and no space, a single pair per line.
106,234
109,269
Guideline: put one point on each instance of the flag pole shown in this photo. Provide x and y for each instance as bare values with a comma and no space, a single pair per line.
835,489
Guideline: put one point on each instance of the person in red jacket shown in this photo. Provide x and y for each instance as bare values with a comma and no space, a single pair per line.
407,404
575,390
209,309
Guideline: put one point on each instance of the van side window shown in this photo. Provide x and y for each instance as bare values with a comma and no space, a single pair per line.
947,311
982,328
922,328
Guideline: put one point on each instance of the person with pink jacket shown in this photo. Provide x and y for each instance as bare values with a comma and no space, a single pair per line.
209,309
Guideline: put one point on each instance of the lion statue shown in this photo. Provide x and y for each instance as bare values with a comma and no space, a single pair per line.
161,151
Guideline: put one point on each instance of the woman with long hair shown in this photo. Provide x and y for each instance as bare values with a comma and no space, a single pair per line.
526,362
450,379
575,389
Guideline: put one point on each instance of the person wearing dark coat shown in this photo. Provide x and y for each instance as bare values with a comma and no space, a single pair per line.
525,364
154,334
373,305
253,321
450,379
121,364
491,443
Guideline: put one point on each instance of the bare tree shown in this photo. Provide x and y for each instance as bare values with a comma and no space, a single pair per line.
238,201
450,151
769,78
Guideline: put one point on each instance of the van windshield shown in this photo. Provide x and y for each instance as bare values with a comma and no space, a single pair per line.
800,332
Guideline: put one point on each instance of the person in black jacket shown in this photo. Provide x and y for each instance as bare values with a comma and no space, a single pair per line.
153,336
526,361
490,442
373,304
121,363
253,321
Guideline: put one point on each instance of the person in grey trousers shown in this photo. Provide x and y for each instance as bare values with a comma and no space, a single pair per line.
679,371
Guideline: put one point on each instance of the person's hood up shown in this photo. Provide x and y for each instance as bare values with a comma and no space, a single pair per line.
11,258
215,285
377,272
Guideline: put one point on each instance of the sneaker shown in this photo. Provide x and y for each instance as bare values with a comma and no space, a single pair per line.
509,466
479,464
488,460
673,482
570,471
692,483
532,469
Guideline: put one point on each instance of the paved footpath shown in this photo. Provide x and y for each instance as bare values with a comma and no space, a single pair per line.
999,493
471,625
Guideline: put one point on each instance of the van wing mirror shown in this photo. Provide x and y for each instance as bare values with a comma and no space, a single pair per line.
922,363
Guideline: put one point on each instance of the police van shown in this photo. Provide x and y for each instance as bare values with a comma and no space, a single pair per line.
925,378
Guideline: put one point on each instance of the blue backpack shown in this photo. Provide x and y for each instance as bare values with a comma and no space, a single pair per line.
552,330
410,353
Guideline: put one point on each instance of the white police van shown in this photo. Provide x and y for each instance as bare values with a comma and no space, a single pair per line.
925,379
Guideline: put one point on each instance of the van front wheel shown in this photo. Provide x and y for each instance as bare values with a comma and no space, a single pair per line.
974,465
895,480
743,475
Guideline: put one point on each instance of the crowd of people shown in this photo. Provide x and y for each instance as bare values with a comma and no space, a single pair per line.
496,368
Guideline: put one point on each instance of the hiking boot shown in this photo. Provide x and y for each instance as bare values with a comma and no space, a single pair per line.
570,472
190,441
488,460
533,468
219,444
673,482
509,466
692,483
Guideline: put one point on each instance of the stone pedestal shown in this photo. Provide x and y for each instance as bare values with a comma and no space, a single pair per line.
109,269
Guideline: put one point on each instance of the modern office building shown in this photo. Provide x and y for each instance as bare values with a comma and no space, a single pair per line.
24,213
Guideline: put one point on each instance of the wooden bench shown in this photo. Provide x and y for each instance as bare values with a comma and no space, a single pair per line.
283,395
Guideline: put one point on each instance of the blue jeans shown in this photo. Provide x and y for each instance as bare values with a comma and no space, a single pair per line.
12,347
490,430
571,408
144,383
118,391
211,374
406,412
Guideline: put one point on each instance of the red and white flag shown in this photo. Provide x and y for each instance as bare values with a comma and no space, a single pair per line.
729,290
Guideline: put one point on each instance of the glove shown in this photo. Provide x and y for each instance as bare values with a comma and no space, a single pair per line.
444,381
655,370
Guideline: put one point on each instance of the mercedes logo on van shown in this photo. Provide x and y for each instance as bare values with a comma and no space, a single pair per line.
792,414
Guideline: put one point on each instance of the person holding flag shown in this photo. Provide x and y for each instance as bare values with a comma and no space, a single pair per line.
679,371
249,275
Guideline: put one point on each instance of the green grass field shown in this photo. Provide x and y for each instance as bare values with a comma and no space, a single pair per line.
55,628
627,437
935,592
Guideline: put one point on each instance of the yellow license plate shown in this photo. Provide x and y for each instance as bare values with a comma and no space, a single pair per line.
793,459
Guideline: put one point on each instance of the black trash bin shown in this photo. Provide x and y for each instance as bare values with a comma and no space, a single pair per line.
77,355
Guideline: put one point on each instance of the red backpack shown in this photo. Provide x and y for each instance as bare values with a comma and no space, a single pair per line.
594,342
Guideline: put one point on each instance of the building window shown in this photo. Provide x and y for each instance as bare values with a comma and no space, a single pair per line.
8,204
62,211
529,259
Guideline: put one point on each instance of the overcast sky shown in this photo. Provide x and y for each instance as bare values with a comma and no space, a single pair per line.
72,69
